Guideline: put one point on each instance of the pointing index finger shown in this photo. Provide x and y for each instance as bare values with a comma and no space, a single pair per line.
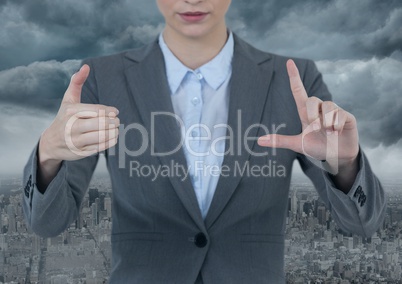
297,87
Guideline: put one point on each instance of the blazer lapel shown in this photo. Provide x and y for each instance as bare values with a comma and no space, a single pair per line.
252,72
147,80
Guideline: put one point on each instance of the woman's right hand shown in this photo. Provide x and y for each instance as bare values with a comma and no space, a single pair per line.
78,131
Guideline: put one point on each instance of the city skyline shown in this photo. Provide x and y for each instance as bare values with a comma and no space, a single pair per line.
315,248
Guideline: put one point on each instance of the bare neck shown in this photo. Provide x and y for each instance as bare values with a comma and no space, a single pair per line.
195,52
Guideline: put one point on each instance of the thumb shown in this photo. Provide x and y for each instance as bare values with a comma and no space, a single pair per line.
293,143
73,93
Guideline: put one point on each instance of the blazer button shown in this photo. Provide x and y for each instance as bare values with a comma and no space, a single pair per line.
200,240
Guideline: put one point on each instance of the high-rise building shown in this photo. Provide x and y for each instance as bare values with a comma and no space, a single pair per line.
80,220
328,235
338,266
94,211
322,215
108,206
293,202
348,242
98,204
3,242
11,219
357,241
301,206
35,244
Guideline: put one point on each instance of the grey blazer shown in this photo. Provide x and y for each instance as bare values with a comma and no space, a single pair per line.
158,234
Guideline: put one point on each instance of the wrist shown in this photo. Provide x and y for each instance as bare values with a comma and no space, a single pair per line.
47,165
344,165
347,173
45,151
349,164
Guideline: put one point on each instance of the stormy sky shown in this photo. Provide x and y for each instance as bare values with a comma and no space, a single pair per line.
357,45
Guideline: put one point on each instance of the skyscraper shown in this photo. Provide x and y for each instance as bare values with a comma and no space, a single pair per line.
294,202
322,215
94,211
11,219
108,206
35,244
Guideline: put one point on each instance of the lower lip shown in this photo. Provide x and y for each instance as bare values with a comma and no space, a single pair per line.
193,18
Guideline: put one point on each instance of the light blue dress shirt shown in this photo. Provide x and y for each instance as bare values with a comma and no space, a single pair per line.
201,100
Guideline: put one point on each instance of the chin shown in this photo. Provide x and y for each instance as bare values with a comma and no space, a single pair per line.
194,32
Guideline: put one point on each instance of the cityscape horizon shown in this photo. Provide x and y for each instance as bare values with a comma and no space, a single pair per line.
316,250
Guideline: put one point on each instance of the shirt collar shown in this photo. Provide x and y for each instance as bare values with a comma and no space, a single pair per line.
215,72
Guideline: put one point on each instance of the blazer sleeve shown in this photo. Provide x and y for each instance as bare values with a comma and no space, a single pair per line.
362,210
50,213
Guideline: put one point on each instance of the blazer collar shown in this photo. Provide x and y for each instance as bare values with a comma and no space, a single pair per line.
249,85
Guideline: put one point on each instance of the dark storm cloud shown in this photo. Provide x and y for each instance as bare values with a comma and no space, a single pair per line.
44,29
38,86
337,29
372,91
56,29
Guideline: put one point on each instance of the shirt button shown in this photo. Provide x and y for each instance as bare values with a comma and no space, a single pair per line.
195,101
199,76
